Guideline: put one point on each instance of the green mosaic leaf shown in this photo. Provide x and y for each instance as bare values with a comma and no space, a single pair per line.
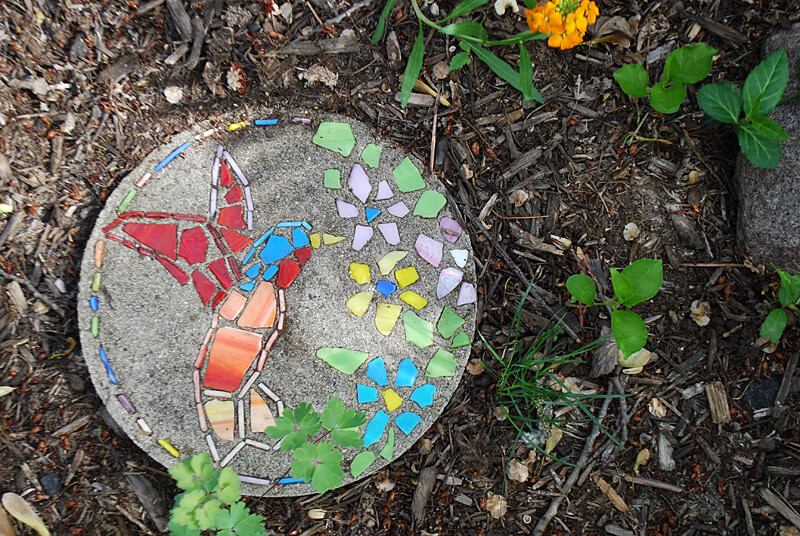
408,177
342,359
418,331
371,155
332,178
320,465
295,426
443,363
429,204
448,323
387,452
462,339
361,462
336,137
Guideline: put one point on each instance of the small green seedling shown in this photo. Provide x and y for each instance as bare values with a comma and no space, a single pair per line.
637,283
210,502
686,65
759,136
789,297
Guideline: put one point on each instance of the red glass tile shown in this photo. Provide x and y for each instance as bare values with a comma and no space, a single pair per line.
232,217
146,252
189,217
303,255
225,176
193,245
159,215
236,241
232,353
135,214
115,238
287,272
161,237
205,288
237,275
218,298
219,270
176,272
130,244
111,225
233,195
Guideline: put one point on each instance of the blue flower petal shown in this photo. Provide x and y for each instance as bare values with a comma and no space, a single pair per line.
270,272
372,213
366,394
375,428
376,371
423,395
277,248
406,374
385,287
299,238
407,422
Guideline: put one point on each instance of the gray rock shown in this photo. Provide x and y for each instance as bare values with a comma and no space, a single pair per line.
769,199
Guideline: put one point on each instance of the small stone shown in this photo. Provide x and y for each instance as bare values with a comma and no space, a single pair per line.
440,70
701,312
173,94
496,505
631,232
51,483
517,471
657,408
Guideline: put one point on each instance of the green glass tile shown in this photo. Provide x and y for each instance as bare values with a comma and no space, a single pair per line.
126,201
96,280
332,178
462,339
387,452
336,137
95,326
408,177
418,331
371,155
342,359
429,204
361,462
443,363
449,323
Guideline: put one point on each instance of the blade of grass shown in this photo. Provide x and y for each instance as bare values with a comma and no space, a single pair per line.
413,68
525,72
463,8
380,29
501,69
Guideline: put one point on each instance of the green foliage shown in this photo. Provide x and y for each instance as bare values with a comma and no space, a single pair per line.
472,36
210,501
295,426
759,136
686,65
319,464
636,283
789,298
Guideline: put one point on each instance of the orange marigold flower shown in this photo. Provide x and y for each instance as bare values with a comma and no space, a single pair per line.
535,18
553,22
591,10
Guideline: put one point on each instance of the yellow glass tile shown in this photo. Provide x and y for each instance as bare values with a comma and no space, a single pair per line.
386,317
360,273
359,302
392,399
169,448
413,299
328,239
406,276
387,263
316,240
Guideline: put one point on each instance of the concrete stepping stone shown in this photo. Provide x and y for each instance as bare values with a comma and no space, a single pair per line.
233,276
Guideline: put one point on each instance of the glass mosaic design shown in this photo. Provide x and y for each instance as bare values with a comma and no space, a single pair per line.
229,283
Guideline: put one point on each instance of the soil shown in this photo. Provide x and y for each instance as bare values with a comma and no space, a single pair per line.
82,101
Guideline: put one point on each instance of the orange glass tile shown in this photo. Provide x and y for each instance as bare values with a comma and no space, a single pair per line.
260,310
236,241
232,306
220,417
232,353
260,415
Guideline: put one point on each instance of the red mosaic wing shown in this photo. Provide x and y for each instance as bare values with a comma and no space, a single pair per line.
173,269
220,271
205,288
288,270
232,217
194,245
162,237
236,241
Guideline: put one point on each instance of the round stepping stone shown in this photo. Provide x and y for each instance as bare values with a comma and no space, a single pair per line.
231,277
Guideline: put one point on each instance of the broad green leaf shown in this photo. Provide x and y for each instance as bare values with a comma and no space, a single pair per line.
582,288
769,128
413,68
206,514
623,291
689,65
176,528
343,423
23,512
519,38
667,100
184,516
227,489
763,152
720,102
645,277
295,426
525,72
320,464
459,60
632,79
774,325
468,29
765,84
789,293
239,521
629,331
502,69
463,8
380,29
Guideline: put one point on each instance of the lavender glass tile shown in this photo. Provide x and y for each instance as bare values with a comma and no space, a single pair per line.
359,183
451,229
399,209
390,232
429,249
449,278
346,210
361,236
467,294
384,191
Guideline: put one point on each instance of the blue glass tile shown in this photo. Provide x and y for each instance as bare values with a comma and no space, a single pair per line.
248,256
252,272
170,157
423,395
248,286
94,303
407,422
375,428
366,394
290,480
270,272
306,225
406,374
386,287
277,248
376,371
265,122
290,224
263,238
300,238
104,359
372,213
